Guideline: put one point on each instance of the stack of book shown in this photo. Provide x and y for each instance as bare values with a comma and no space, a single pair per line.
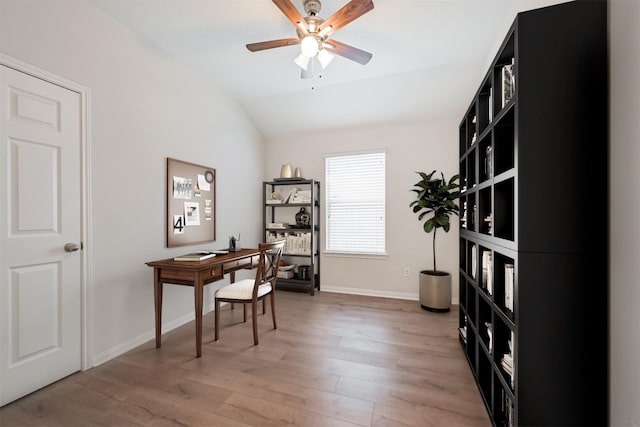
507,361
301,196
196,256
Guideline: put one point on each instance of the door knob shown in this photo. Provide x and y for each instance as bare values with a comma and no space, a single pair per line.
71,247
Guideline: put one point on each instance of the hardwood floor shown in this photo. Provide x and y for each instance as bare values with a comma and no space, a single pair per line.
335,360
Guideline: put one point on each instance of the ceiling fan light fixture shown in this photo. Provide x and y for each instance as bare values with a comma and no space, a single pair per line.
325,58
309,46
302,61
325,31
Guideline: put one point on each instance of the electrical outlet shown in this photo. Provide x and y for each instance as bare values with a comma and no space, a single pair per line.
407,272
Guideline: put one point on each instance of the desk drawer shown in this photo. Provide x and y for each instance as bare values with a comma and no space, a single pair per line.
237,264
214,273
171,275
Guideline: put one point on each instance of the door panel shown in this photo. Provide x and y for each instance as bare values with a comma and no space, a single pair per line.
36,208
40,211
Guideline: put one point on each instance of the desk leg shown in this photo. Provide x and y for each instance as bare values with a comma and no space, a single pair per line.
157,298
232,279
198,291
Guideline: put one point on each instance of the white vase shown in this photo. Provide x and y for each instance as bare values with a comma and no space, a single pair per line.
297,173
285,171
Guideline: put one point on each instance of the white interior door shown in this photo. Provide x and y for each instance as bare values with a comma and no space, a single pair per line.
40,213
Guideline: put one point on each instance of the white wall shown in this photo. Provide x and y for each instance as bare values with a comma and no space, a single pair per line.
144,107
410,147
624,39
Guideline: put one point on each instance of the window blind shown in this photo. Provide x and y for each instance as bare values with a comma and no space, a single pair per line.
355,203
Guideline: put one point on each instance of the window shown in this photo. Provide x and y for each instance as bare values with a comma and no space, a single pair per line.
355,203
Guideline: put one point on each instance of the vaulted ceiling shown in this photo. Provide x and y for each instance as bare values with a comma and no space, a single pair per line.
428,57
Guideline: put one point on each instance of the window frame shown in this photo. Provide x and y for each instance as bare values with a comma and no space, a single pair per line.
359,252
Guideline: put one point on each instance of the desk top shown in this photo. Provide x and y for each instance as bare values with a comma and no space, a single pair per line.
204,264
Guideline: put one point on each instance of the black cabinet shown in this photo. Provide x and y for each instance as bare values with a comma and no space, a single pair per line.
534,215
291,212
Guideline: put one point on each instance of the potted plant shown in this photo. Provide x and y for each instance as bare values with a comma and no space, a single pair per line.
435,203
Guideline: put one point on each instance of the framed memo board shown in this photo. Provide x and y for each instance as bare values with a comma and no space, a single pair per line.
191,203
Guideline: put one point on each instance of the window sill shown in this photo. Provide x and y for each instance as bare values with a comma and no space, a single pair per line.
356,255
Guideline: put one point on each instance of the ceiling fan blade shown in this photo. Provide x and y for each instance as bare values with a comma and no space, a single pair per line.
349,52
291,12
254,47
349,12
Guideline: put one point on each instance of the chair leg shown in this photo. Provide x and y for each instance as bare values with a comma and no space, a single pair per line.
272,297
244,312
254,317
216,317
264,306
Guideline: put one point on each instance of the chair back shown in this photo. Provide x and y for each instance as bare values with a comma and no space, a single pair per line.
268,264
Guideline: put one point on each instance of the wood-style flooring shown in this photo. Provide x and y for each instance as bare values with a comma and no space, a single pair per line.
335,360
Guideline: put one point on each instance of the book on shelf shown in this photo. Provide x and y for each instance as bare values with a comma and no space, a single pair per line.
274,201
474,262
276,225
508,83
509,277
487,272
296,243
490,104
195,256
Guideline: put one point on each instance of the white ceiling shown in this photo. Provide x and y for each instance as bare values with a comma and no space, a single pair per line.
428,57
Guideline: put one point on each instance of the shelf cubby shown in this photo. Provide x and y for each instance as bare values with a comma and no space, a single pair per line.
472,261
485,322
504,284
485,214
471,170
485,376
504,210
485,107
486,158
486,276
503,139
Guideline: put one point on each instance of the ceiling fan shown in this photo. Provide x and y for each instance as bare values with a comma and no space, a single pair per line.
313,34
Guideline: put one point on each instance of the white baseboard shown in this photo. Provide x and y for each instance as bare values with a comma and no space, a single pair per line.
117,350
375,293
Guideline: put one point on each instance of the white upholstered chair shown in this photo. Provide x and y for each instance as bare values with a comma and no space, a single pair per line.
250,291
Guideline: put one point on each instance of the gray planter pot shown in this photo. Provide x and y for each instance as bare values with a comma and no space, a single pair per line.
435,291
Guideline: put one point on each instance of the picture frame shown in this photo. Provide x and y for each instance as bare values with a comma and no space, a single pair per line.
190,203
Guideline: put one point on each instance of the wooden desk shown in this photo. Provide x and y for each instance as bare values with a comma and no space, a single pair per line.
196,274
